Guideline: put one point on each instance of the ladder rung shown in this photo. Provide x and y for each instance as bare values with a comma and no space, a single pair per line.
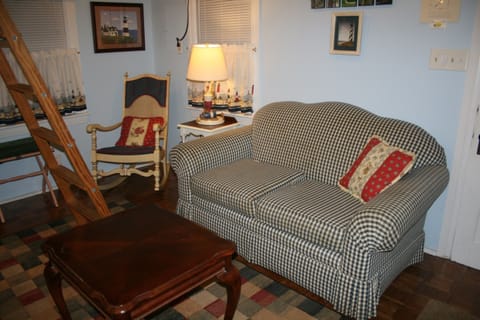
24,89
48,135
69,176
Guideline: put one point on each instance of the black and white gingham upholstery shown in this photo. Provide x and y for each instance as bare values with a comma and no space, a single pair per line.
272,188
188,159
323,139
240,184
317,212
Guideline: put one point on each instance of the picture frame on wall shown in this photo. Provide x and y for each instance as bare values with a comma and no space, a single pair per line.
346,33
117,26
383,2
317,4
327,4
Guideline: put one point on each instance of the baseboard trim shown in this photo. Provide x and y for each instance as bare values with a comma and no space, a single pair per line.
431,252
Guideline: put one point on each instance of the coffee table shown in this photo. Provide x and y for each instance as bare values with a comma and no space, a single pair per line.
134,262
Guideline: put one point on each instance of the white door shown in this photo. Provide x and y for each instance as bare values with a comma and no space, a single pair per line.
466,243
460,239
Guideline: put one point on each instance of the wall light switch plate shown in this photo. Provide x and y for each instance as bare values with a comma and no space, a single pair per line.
448,59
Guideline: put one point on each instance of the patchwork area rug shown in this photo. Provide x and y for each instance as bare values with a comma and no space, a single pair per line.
24,295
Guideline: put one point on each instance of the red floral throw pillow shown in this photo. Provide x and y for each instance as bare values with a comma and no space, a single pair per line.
378,166
138,131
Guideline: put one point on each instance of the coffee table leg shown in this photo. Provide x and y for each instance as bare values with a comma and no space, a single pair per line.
231,280
54,284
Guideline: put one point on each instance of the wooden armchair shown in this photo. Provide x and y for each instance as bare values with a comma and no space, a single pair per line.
144,133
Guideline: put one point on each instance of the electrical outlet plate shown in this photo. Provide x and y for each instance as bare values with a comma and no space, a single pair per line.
448,59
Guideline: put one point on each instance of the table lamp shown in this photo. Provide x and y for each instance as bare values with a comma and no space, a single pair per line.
207,64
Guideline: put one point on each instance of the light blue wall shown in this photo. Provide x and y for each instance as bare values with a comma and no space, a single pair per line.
169,19
391,76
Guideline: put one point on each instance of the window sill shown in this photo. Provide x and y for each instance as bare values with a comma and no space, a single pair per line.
19,130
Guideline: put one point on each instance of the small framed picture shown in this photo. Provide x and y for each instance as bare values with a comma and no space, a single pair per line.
365,3
117,26
326,4
318,4
382,2
346,33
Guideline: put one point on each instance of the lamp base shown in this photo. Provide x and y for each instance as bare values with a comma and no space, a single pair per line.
208,120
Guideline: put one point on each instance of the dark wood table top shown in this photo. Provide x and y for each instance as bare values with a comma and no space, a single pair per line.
136,254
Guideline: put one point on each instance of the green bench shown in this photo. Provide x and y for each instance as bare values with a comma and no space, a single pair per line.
22,149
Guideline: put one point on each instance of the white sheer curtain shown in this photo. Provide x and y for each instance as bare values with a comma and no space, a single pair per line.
239,60
60,68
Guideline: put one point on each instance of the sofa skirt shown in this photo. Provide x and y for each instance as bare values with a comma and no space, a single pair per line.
314,268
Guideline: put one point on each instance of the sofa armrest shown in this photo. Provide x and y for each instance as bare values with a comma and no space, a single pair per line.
382,222
199,155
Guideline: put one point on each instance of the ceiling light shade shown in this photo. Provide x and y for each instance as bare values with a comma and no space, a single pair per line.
207,63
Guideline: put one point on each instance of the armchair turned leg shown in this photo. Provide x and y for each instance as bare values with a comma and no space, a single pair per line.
95,171
156,174
93,152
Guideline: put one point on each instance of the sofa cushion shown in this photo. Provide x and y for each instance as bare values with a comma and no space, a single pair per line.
238,184
138,131
378,166
311,210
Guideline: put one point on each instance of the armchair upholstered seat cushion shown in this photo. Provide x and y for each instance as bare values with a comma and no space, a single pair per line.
126,150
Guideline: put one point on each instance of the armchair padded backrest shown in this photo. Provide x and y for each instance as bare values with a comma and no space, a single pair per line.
146,96
324,139
145,86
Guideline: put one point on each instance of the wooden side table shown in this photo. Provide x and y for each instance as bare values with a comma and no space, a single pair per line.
134,262
198,130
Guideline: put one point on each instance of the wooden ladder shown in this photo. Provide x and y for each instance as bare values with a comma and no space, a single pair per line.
76,185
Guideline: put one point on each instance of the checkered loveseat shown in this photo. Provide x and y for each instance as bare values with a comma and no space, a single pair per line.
272,188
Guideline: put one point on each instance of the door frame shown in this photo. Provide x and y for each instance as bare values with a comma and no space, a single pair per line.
463,144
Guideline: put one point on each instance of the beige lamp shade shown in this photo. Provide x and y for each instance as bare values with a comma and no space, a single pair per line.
207,63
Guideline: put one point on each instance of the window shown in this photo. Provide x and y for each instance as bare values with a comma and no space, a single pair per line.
221,21
233,24
48,28
41,22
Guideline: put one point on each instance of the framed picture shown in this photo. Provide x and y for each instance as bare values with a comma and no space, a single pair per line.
327,4
346,33
117,26
365,2
316,4
382,2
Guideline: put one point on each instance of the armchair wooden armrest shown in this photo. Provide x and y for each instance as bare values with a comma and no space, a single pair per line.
91,128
